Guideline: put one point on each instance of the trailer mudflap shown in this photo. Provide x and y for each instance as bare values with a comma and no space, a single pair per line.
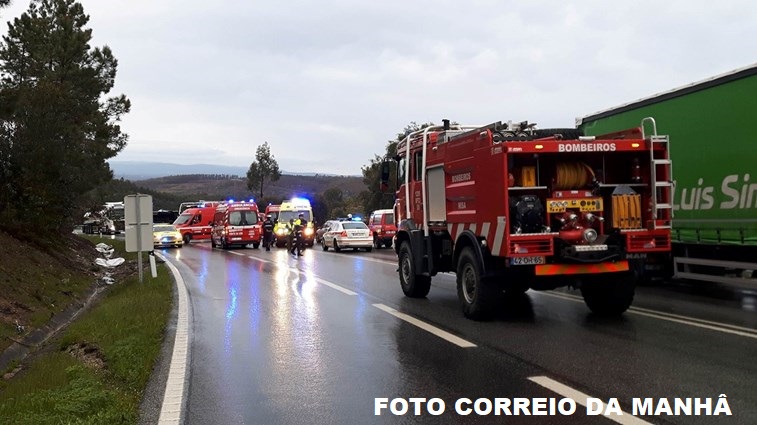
595,268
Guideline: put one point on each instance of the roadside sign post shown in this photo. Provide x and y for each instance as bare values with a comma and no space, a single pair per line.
138,217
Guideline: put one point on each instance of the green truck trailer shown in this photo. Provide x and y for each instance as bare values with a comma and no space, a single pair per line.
713,148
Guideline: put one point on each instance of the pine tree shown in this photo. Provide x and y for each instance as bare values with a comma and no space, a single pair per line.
56,127
264,168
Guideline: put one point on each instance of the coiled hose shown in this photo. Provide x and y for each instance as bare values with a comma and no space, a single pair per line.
573,175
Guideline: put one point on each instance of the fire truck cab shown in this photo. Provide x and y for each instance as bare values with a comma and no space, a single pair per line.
507,207
236,223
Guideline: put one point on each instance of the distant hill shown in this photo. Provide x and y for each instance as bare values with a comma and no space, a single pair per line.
220,186
138,170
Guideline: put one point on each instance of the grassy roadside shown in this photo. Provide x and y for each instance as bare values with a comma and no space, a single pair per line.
96,370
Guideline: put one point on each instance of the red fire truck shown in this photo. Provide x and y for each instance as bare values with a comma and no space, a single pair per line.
236,223
508,207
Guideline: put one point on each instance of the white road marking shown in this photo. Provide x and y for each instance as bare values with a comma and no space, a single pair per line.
580,398
260,259
676,318
173,398
335,286
235,253
375,260
426,327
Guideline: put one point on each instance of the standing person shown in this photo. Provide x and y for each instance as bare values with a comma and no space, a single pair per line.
290,235
298,229
268,232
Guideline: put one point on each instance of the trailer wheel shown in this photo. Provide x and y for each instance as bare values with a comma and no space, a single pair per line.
477,295
413,285
609,295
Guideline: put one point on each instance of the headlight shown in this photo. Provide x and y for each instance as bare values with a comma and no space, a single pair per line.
308,231
280,232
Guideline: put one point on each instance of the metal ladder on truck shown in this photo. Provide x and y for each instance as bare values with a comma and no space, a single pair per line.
662,177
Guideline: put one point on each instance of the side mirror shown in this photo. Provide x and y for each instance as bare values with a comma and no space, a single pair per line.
385,171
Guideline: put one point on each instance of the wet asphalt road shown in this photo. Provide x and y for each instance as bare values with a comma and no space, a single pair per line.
284,340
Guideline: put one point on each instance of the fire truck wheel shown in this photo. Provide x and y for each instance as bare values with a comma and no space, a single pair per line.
609,295
376,242
255,245
224,245
477,295
187,237
413,285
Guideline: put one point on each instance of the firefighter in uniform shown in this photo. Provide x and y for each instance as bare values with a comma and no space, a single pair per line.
267,232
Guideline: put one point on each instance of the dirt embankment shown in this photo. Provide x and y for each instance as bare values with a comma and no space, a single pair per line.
40,284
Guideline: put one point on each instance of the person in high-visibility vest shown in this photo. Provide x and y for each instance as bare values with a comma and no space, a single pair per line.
298,229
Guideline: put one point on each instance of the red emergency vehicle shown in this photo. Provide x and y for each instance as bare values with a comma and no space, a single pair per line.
509,207
381,223
195,220
236,223
273,210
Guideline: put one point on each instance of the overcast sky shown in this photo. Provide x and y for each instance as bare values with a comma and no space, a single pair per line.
327,83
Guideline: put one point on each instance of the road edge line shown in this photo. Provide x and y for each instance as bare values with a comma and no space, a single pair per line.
173,397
